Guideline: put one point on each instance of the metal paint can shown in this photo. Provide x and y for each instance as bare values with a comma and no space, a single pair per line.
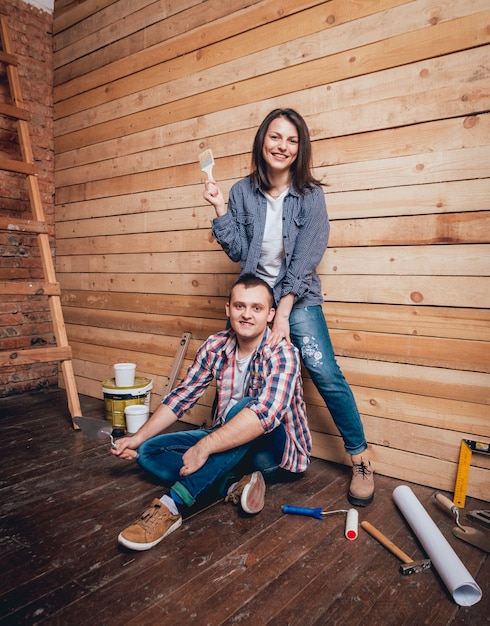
116,399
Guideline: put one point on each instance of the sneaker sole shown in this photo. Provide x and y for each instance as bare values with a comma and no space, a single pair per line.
146,546
252,499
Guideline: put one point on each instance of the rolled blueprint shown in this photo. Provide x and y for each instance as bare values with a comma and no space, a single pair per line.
454,574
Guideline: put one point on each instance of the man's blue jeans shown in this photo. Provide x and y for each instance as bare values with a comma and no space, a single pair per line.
162,457
309,333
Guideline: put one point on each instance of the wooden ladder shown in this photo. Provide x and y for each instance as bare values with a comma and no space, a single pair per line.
49,286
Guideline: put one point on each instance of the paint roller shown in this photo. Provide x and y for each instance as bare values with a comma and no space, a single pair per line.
351,521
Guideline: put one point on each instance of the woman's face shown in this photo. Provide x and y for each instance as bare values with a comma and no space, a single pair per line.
280,147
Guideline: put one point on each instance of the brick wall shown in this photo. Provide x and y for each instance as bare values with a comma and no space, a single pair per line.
25,321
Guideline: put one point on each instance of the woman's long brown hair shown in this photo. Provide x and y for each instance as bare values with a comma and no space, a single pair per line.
301,175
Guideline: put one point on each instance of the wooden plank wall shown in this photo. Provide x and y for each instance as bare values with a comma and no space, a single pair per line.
396,94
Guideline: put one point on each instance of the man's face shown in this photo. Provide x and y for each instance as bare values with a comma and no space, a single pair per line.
249,311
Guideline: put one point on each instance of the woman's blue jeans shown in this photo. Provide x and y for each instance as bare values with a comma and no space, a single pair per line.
309,333
162,457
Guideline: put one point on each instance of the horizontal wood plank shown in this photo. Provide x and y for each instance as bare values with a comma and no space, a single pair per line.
24,225
421,290
13,112
397,106
20,167
439,474
373,57
70,15
258,561
410,409
387,99
453,260
416,169
35,355
432,136
174,38
28,287
153,311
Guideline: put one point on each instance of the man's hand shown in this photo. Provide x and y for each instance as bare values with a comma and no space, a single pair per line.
161,419
242,428
194,458
122,444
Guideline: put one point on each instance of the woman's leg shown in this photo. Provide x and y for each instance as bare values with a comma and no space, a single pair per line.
309,333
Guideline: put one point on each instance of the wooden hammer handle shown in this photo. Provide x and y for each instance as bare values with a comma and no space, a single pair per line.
383,540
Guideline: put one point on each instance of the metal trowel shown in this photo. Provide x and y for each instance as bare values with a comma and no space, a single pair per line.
474,536
98,429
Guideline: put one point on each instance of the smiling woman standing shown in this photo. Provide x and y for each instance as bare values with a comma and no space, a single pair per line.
276,225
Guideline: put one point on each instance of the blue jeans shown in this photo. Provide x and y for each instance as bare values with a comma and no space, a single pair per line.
162,457
309,333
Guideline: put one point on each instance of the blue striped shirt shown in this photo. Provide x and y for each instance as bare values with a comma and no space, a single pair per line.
240,232
274,386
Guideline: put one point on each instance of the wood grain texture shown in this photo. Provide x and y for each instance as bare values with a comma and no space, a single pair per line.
65,498
396,97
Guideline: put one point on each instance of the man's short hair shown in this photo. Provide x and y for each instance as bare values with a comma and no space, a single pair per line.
249,280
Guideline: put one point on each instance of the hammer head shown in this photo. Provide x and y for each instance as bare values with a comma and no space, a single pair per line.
414,567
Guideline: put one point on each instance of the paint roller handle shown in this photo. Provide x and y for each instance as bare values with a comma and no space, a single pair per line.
299,510
384,541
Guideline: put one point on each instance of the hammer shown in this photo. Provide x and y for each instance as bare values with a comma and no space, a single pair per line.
408,566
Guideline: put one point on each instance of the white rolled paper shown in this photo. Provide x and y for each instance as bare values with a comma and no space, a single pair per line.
454,574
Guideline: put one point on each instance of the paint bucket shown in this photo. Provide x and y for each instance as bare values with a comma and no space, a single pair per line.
116,399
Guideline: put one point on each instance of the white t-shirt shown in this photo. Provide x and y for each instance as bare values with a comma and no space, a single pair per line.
240,380
272,253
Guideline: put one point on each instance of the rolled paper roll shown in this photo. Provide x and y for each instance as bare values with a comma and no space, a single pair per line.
352,524
454,574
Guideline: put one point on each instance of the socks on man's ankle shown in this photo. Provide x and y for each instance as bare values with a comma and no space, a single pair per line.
173,501
170,504
231,487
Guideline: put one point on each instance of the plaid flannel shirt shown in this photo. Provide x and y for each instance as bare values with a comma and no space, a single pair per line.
275,387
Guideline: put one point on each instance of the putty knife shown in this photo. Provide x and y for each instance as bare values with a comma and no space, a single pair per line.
474,536
99,429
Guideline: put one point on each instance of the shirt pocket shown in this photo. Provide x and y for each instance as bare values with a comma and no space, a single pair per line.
298,223
245,223
255,383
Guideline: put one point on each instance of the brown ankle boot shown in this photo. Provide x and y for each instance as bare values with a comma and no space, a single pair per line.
361,490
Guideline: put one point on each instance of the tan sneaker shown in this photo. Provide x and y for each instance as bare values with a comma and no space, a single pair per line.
250,492
361,490
154,525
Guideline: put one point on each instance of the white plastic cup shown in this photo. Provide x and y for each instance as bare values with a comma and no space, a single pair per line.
136,415
124,374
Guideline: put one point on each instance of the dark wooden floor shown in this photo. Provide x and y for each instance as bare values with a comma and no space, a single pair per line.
64,499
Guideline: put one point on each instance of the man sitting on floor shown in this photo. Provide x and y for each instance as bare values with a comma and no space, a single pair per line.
259,426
